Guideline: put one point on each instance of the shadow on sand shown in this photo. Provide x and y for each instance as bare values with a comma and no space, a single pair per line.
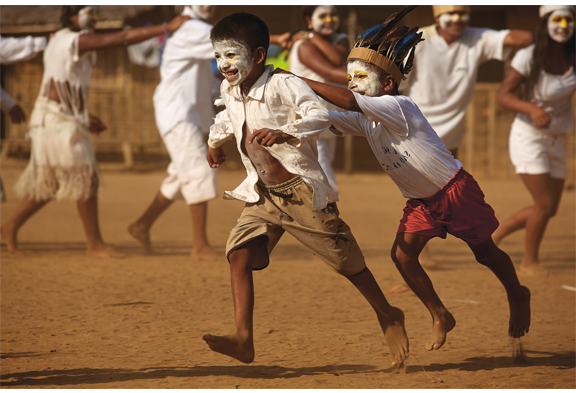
69,378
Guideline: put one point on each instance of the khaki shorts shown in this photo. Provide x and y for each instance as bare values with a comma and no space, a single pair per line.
288,207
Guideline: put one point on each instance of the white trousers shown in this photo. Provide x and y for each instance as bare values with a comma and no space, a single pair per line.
189,175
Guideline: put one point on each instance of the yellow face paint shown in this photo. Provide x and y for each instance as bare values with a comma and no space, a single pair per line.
561,26
362,79
325,20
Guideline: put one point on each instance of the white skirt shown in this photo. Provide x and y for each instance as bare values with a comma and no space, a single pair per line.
62,161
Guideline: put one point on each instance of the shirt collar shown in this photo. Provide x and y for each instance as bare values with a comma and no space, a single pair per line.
257,90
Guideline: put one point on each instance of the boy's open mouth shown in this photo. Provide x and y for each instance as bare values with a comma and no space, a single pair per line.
231,74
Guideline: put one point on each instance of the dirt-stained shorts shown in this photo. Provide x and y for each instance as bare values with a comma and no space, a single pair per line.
288,207
458,208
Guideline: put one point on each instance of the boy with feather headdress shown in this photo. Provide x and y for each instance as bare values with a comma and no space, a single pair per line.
442,196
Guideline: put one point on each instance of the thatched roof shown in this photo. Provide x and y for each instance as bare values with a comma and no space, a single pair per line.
46,18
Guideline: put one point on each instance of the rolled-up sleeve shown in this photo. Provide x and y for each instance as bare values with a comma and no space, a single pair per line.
313,116
221,130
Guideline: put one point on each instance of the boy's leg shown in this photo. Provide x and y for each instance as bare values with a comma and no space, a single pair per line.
405,252
240,345
88,211
23,212
489,255
140,229
391,319
202,249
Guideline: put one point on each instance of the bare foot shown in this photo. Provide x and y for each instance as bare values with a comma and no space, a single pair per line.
532,269
242,350
439,330
104,251
205,253
393,327
520,315
426,260
142,236
9,236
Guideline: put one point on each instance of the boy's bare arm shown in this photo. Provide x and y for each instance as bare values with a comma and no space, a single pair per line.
215,156
338,96
269,137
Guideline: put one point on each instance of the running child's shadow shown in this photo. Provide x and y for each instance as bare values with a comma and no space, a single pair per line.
89,376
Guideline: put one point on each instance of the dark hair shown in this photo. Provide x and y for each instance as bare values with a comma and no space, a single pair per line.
69,11
246,28
537,63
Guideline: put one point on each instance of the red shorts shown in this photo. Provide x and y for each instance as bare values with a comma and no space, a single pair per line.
458,208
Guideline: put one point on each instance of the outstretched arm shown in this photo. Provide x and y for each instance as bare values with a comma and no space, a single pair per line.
90,41
338,96
510,101
518,38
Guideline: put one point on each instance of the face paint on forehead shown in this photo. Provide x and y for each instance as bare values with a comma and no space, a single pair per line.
87,15
325,20
445,19
233,60
561,26
363,79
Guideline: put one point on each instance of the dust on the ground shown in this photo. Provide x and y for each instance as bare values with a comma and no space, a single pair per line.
69,321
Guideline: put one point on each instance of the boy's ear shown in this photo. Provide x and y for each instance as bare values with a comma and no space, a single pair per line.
259,55
389,84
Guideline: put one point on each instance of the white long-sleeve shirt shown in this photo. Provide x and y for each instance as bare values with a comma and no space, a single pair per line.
281,102
403,142
15,49
186,89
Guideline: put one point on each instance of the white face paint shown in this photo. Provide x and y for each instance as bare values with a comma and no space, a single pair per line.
204,12
363,79
233,60
561,26
86,15
446,20
325,20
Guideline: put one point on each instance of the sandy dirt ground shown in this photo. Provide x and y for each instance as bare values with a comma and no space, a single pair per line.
69,321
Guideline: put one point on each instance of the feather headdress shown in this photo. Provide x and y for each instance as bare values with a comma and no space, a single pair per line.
386,46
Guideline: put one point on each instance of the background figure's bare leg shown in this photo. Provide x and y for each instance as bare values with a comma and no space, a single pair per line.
489,255
140,229
391,319
201,250
24,211
546,192
512,224
405,252
240,345
88,211
426,259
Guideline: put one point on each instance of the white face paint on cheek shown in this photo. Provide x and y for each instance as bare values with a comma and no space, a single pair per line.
330,21
233,61
85,16
362,79
563,31
204,12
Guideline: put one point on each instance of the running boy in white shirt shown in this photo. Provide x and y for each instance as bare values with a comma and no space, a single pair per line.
276,120
442,196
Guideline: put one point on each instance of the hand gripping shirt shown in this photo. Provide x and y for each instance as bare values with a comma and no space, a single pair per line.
403,141
281,102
